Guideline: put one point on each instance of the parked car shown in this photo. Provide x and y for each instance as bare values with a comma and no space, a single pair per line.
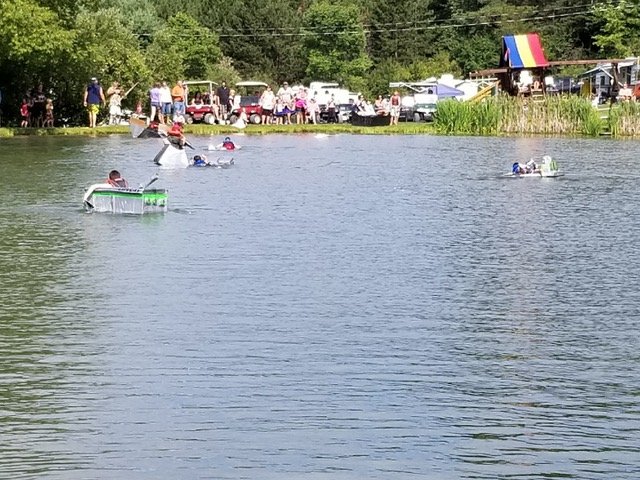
249,92
204,112
424,112
343,112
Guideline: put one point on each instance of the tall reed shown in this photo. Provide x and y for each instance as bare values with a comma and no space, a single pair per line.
568,115
624,119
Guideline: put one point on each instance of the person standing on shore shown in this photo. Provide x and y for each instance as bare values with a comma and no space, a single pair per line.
223,98
24,113
331,110
156,106
48,114
395,108
114,94
165,101
178,96
93,98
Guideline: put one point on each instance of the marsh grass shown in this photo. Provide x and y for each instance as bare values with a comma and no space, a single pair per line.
624,119
564,115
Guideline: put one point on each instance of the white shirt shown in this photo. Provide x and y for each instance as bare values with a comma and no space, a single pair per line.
285,94
267,100
165,95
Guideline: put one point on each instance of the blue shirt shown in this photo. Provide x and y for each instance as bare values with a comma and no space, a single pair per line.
93,94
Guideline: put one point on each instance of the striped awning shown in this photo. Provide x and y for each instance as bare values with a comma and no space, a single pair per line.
522,51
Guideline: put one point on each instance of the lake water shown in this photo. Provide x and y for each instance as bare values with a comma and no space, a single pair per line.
347,307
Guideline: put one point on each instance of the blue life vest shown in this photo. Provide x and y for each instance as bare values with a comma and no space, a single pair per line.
515,168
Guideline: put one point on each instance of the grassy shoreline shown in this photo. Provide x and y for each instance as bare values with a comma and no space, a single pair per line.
565,116
409,128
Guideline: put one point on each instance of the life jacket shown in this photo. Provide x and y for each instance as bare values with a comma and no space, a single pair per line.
117,182
175,130
515,168
228,145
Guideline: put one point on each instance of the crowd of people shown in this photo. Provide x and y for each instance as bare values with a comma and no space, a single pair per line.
168,105
36,109
289,105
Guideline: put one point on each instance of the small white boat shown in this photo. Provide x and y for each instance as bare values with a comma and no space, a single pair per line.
105,198
548,168
171,156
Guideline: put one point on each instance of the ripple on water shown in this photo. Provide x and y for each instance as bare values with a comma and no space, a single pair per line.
347,307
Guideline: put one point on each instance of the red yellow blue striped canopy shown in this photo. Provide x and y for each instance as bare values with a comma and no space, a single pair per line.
523,51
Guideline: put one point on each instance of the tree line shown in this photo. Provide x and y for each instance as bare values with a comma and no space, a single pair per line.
362,44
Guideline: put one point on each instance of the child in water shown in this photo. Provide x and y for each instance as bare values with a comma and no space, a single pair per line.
200,161
227,144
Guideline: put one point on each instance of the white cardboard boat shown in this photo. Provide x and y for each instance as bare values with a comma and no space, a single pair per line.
548,168
105,198
171,156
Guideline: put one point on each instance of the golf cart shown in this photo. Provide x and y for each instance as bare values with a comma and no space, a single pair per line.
249,93
204,112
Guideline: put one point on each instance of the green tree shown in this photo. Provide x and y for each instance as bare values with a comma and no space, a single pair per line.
618,24
140,16
384,73
34,45
68,9
31,36
263,37
334,43
401,30
183,48
107,49
435,66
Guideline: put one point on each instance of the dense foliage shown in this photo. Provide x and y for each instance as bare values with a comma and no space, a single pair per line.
361,43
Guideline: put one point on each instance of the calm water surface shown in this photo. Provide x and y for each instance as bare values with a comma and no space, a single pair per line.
349,307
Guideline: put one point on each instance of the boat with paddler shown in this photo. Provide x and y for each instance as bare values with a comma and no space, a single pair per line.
107,198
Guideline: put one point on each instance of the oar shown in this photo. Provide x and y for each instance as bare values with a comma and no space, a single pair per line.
153,179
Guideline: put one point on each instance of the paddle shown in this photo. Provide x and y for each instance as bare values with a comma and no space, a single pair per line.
153,179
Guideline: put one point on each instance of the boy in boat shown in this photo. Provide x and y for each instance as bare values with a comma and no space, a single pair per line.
531,166
176,136
116,180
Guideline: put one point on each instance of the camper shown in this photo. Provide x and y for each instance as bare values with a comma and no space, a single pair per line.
322,92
